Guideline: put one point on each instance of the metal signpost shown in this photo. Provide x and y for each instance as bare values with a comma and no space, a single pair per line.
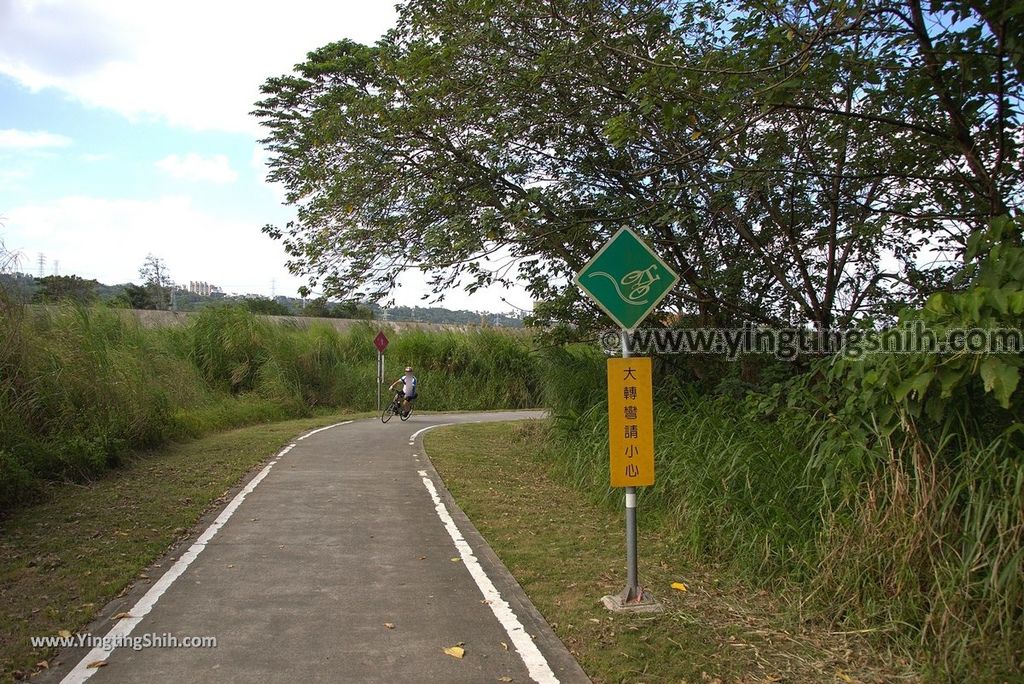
627,280
381,343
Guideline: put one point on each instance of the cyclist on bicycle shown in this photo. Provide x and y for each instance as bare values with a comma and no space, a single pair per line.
408,382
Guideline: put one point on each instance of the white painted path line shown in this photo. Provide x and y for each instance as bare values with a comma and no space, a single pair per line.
124,627
313,432
534,660
413,436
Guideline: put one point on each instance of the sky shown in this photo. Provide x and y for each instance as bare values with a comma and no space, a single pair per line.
125,131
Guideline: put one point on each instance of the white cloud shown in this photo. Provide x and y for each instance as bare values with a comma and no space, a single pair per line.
12,138
192,63
195,167
12,178
108,239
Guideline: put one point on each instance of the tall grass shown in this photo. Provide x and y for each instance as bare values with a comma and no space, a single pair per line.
82,386
918,541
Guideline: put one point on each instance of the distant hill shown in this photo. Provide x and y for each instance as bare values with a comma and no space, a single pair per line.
30,288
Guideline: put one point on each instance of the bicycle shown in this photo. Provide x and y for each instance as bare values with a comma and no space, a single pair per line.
395,408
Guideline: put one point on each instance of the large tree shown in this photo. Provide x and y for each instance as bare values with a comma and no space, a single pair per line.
789,160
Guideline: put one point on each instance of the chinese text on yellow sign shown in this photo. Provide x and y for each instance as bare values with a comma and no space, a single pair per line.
630,422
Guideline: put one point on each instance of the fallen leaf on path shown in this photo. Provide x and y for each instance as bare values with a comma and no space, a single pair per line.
389,625
42,664
64,633
679,586
504,679
455,651
121,616
456,560
504,645
97,663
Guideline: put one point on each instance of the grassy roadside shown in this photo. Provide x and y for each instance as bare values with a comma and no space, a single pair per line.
567,552
62,560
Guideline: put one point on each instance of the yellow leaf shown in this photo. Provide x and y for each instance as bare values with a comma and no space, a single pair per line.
845,677
455,651
64,633
695,135
389,625
97,663
456,560
679,586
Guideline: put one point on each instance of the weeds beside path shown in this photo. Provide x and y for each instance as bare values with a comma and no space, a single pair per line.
62,560
567,552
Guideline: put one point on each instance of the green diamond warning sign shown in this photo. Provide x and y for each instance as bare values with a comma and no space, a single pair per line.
626,279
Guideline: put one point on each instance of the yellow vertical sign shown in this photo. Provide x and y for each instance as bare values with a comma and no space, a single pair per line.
631,422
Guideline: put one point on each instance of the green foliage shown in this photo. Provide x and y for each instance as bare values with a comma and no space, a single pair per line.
321,308
82,386
53,289
265,306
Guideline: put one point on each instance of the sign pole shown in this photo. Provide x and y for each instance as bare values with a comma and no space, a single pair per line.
381,343
380,375
632,591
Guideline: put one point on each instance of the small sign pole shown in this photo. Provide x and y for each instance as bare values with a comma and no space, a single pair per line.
381,343
380,375
632,592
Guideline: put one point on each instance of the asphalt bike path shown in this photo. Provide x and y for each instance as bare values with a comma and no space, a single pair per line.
344,560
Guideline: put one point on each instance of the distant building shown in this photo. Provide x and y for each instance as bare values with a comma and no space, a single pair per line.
203,289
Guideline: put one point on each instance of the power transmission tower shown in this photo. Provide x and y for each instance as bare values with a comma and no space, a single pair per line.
42,264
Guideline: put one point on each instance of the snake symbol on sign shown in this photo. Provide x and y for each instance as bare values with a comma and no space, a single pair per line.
637,283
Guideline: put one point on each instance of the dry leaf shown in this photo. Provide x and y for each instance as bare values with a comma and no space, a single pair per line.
456,560
504,679
679,586
64,633
455,651
504,645
389,625
42,664
121,616
845,677
97,663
